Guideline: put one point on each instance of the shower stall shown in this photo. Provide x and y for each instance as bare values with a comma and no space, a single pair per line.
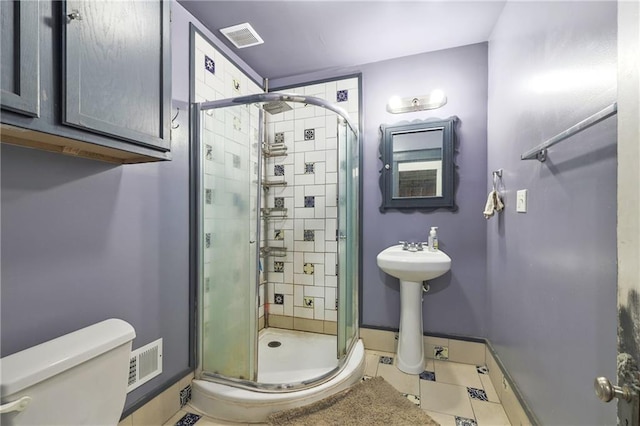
270,230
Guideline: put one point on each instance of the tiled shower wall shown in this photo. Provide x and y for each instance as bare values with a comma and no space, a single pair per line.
301,287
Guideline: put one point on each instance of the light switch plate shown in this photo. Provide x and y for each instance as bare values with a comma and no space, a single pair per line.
521,201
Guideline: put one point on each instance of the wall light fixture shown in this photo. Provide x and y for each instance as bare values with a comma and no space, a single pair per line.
433,100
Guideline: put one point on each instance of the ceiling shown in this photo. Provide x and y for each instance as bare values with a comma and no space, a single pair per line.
302,36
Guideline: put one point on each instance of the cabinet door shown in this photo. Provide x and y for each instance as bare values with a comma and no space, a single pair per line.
20,74
117,69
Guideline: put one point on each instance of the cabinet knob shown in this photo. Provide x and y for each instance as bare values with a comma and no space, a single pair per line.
606,391
75,14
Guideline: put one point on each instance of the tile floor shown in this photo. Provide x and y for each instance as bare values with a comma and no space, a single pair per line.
453,394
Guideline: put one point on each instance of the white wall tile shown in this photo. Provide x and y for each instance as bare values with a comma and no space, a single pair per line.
315,224
315,156
330,280
298,295
305,179
288,305
283,288
304,246
301,312
314,257
303,279
330,315
305,212
314,190
313,291
318,308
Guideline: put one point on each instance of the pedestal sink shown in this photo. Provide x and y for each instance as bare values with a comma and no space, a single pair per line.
412,268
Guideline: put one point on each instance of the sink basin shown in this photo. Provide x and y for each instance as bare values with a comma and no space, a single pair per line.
412,268
416,266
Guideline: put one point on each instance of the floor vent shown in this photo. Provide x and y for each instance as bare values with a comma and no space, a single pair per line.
145,364
242,35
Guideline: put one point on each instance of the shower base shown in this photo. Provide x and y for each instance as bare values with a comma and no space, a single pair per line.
300,357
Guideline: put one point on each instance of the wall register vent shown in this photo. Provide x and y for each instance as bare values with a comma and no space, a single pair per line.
145,364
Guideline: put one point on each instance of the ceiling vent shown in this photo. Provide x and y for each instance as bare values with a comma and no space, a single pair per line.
242,35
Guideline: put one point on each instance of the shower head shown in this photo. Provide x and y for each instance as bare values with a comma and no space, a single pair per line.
276,107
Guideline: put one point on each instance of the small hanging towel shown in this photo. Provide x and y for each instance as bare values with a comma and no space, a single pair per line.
494,204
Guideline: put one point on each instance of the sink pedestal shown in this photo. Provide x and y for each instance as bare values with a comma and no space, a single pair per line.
410,344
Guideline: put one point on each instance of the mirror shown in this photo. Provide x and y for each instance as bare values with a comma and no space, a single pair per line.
418,166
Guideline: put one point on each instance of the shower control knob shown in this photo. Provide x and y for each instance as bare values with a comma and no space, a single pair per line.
606,391
387,167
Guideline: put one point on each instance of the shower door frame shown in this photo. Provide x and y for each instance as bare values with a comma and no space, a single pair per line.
261,98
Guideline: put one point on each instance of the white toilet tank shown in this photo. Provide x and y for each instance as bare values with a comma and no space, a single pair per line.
77,379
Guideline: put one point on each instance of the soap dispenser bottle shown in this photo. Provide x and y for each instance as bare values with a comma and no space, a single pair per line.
433,239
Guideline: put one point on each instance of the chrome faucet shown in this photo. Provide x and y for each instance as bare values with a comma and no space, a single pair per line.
411,246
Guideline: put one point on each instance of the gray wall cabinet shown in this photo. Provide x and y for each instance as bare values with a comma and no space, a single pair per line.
103,85
19,56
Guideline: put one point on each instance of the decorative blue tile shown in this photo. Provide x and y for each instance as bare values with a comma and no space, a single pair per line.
463,421
207,240
188,419
477,394
208,149
185,396
208,196
413,398
342,95
209,65
236,85
309,134
308,302
309,235
278,266
310,201
278,234
482,369
278,299
278,202
308,268
278,170
386,360
309,168
279,138
441,352
236,161
428,375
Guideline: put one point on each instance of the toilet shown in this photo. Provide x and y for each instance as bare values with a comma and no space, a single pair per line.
76,379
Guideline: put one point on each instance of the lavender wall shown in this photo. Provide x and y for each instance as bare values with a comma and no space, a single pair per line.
552,271
456,303
83,241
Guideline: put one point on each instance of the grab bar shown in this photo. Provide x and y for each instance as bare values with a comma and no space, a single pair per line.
17,405
540,152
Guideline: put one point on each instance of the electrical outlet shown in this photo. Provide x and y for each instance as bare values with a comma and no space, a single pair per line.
441,352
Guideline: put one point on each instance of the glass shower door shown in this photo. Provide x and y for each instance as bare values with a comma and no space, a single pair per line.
347,236
229,223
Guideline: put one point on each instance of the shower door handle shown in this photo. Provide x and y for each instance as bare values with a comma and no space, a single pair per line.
17,405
